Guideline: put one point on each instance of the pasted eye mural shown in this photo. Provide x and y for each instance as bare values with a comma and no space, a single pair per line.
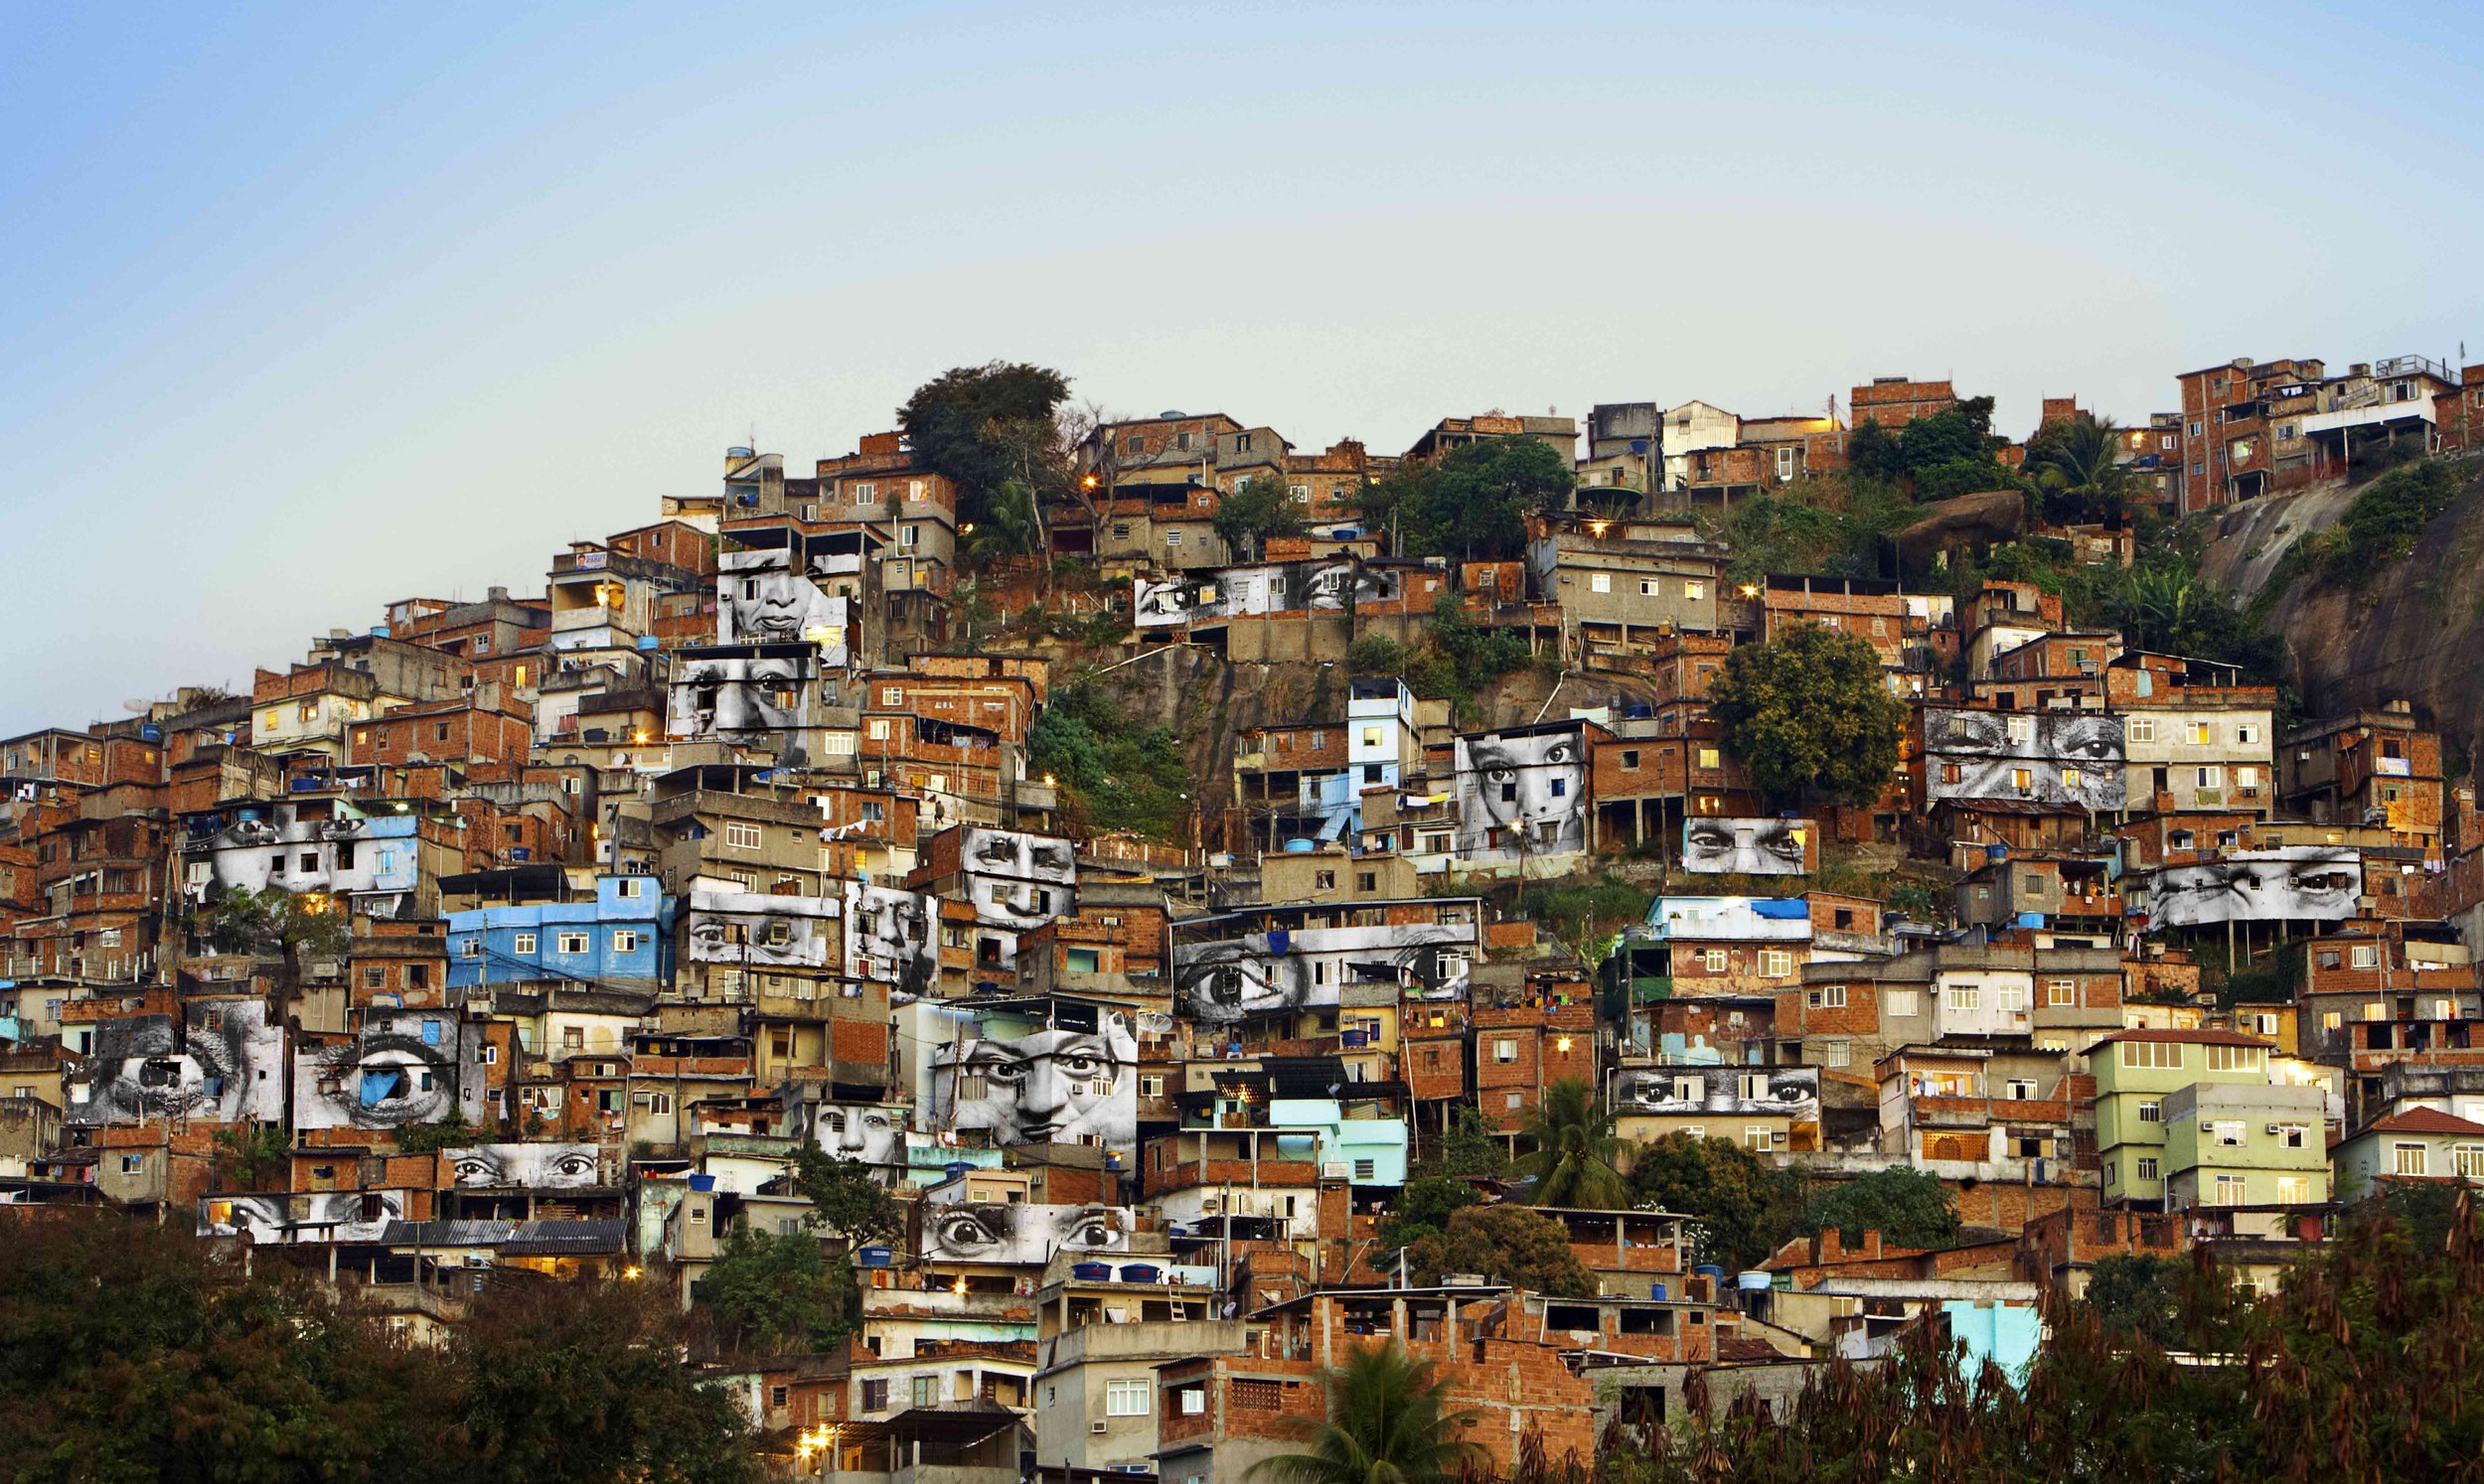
227,1068
2069,758
761,599
1752,847
2307,883
408,1067
1523,792
750,696
312,1217
755,928
1047,1087
1785,1092
1019,1234
891,937
528,1166
1220,979
274,846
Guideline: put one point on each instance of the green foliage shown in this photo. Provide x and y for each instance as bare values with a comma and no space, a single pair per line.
1572,1150
1118,778
1839,528
1584,913
1473,503
1951,478
2138,1295
2077,464
1744,1208
1907,1206
1466,1147
769,1293
450,1133
248,1156
1507,1244
1376,654
1423,1210
1872,452
1945,437
983,425
275,921
1809,714
2385,521
1389,1421
1247,516
1009,526
847,1198
128,1352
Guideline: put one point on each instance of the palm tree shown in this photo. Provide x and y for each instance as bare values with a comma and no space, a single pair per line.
1572,1160
1389,1422
2078,463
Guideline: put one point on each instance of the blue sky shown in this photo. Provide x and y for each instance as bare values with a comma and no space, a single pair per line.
304,308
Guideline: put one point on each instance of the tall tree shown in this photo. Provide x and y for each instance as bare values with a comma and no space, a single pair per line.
1507,1244
2077,464
290,925
772,1293
1573,1151
1246,517
1743,1207
1389,1421
1907,1206
1475,501
1809,714
983,425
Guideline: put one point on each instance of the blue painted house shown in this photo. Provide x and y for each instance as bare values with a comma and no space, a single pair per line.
622,939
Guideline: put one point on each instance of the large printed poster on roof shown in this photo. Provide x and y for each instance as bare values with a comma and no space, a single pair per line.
1060,1086
1223,979
762,599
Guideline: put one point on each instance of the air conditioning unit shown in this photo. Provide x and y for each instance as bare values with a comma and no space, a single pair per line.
2270,1128
1336,1169
1096,1428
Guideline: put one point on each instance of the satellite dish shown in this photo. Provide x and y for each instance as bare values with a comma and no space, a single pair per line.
137,707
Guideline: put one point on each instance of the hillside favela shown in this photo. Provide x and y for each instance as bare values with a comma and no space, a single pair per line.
1669,943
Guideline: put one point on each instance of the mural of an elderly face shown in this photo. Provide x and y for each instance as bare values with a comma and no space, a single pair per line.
531,1166
1019,1234
753,697
342,854
1220,980
889,937
1521,793
865,1131
227,1070
1017,880
761,599
1047,1087
1792,1091
754,928
316,1217
2305,883
2071,757
1756,847
405,1068
1236,979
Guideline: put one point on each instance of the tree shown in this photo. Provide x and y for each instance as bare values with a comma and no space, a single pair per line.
2137,1296
452,1131
1743,1207
1466,1147
1507,1244
771,1293
1940,438
1572,1158
1809,714
983,425
1423,1210
2076,463
1907,1206
1389,1421
1475,501
292,926
1872,452
248,1156
845,1197
1009,526
1263,507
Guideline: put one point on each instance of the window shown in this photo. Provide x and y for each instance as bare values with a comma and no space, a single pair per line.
1629,759
2151,1112
2332,1020
2200,734
2060,991
1965,997
926,1390
629,887
625,941
2233,1058
2142,728
2470,1160
1828,998
1648,587
573,943
1599,582
2233,1191
1694,590
2225,1133
1776,963
1903,1002
875,1395
1323,880
1366,1169
2161,1056
471,948
1710,758
2145,1169
1125,1399
2246,733
1506,1051
2364,956
2019,1090
1713,961
523,942
2409,1159
1836,1054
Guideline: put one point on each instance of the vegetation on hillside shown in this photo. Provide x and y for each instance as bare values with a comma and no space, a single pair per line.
1117,777
1810,716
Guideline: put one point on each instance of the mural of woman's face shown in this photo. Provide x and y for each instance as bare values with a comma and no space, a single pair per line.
1768,847
1055,1087
1534,785
770,607
387,1080
860,1131
1239,977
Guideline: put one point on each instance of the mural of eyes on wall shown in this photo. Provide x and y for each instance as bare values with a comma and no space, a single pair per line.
1782,1092
1220,981
313,1217
404,1067
1523,792
2300,882
523,1166
273,845
1750,848
891,937
749,926
1336,585
2069,758
228,1068
1240,592
1017,880
869,1133
761,599
1048,1087
1018,1233
750,696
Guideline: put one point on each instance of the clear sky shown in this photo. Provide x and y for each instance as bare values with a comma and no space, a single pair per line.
304,308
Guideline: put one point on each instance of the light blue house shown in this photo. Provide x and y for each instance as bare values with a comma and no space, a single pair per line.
1367,1151
622,939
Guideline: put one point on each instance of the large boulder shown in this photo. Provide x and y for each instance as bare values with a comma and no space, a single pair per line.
1984,518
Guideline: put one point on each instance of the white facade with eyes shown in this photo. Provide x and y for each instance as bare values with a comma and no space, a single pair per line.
526,1167
404,1067
1017,1234
1051,1085
2299,883
759,929
1749,847
1522,795
2069,758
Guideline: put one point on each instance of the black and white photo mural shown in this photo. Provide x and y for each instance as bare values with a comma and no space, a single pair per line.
867,1133
1220,979
757,929
304,1217
1523,792
1327,585
274,845
2302,883
1749,847
403,1067
1019,1235
1066,1085
1017,881
891,936
762,599
228,1068
1730,1091
2069,758
747,694
524,1166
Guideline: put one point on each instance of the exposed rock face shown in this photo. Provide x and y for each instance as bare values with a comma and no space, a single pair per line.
1982,519
2412,631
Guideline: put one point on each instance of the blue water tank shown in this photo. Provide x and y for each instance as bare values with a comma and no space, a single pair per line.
647,641
1301,848
1092,1273
1711,1271
703,1182
1140,1272
956,1169
1656,1292
871,1257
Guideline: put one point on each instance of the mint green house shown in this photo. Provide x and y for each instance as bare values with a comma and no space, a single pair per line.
2191,1118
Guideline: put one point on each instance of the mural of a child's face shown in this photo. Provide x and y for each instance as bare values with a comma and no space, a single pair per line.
862,1132
1239,977
1534,787
1053,1085
743,695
